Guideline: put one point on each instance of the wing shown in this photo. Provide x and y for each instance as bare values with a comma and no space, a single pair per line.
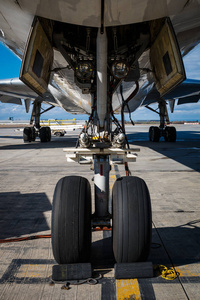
187,92
14,90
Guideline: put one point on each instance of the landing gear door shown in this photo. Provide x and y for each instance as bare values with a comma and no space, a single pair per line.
38,58
166,60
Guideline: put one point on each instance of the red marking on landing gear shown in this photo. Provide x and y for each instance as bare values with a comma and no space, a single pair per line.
101,170
102,229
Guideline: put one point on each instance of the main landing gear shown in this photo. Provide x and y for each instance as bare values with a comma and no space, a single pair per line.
168,132
30,133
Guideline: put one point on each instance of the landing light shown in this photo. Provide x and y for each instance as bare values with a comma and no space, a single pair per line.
84,70
120,69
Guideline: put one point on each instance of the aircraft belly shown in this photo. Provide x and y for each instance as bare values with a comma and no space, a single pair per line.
68,95
126,12
15,25
118,12
145,85
16,16
65,102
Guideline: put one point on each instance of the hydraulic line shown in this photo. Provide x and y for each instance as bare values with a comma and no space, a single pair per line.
26,238
125,102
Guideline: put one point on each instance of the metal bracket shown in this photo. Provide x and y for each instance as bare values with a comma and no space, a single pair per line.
85,155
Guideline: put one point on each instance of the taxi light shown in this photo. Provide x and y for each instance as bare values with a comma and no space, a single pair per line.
120,69
84,70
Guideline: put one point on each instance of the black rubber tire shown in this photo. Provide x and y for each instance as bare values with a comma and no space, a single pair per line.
154,134
132,220
170,134
57,133
29,134
45,134
33,135
71,220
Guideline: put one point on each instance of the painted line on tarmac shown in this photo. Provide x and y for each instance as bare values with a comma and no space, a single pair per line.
127,289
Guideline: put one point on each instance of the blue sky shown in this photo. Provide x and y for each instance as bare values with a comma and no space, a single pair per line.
10,68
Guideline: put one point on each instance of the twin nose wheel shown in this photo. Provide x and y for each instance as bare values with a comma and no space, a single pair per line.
71,220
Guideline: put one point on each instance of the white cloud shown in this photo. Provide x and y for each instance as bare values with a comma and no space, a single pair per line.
13,110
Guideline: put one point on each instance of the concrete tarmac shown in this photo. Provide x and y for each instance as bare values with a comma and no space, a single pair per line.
29,173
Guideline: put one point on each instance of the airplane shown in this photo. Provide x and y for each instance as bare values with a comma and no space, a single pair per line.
101,58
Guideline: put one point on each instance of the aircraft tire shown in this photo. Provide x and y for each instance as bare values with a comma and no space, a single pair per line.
170,134
57,133
132,220
29,134
71,220
45,134
154,134
33,134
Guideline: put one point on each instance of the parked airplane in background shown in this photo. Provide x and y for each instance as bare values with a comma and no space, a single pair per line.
100,58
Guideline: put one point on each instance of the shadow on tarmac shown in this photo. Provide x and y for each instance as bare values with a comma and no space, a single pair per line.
57,142
10,137
179,245
22,214
185,151
11,273
185,136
